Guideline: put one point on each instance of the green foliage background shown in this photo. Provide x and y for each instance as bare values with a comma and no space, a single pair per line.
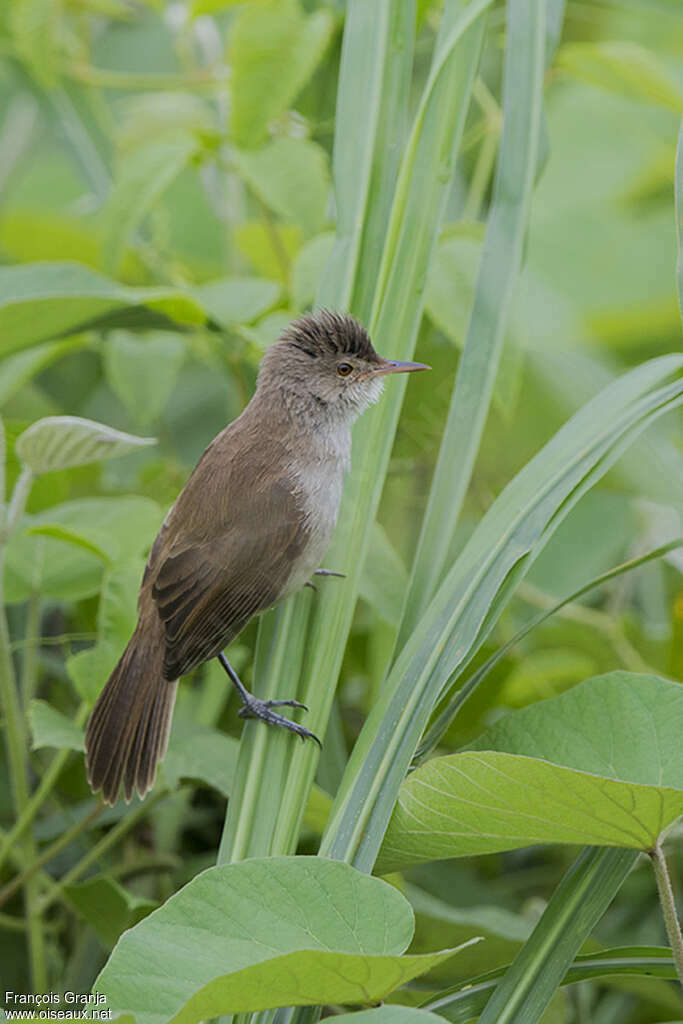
166,206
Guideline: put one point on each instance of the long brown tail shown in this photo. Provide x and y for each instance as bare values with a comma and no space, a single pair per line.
129,727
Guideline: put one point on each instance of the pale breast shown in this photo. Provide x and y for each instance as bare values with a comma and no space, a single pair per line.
319,480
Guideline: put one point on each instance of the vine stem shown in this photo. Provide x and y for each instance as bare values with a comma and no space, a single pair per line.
668,904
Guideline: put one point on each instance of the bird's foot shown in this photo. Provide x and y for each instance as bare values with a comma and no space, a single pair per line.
254,707
262,709
329,572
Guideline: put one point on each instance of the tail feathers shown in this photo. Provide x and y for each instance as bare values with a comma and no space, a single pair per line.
129,727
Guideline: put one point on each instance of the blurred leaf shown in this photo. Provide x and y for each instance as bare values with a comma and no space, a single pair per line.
33,27
268,328
602,764
544,673
143,371
59,442
678,191
107,907
41,300
384,577
30,234
67,571
50,728
273,51
237,938
95,542
449,297
237,300
17,370
270,248
162,115
90,669
201,753
116,619
291,176
308,268
626,69
144,175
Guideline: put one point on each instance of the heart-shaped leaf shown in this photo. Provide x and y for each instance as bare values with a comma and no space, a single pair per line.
262,933
602,764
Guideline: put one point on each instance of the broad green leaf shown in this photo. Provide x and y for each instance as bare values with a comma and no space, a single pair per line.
39,301
107,907
625,68
308,268
273,51
144,175
237,300
244,936
59,442
389,1015
18,369
143,371
290,176
62,569
50,728
601,764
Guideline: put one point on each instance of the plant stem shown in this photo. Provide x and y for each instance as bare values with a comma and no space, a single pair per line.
666,898
48,853
39,796
29,668
110,839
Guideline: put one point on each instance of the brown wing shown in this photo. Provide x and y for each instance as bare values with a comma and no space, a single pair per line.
230,559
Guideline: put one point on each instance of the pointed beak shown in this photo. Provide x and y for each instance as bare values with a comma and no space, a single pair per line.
397,366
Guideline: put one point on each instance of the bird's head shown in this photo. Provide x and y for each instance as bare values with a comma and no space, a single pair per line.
326,359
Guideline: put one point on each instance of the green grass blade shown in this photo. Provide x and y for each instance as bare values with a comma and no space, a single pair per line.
442,723
460,1004
498,272
576,906
464,609
365,46
678,189
413,230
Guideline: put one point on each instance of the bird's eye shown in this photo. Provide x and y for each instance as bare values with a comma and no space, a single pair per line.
344,369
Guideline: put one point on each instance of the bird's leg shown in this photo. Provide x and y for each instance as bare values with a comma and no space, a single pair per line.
329,572
254,707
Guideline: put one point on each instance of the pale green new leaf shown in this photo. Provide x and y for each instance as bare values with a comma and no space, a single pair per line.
602,764
59,442
264,933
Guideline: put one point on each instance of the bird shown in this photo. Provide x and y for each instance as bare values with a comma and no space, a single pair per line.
249,528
